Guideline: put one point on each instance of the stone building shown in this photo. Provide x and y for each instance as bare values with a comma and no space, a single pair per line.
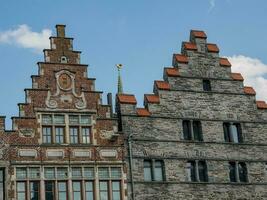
200,135
65,143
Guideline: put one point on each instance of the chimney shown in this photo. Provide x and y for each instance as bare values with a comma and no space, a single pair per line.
109,98
60,30
2,123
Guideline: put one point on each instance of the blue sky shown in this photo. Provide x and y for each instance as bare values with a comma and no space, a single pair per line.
140,34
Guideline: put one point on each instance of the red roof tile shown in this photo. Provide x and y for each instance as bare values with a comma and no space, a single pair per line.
237,76
213,48
199,34
143,112
127,99
151,98
162,85
249,90
190,46
181,58
225,62
172,72
261,104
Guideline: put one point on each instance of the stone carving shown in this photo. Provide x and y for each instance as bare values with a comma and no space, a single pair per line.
105,134
27,132
65,91
55,154
28,153
108,153
81,153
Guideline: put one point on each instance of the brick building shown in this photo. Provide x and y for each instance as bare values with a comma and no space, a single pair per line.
65,143
200,135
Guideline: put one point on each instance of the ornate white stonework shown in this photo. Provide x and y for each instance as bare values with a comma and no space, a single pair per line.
65,91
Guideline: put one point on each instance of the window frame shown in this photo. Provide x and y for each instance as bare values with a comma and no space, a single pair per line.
192,130
195,171
152,167
228,132
206,85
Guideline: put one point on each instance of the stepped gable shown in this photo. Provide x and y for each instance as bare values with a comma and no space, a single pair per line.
198,60
61,85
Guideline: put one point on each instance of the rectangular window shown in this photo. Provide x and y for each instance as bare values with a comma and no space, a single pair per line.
158,170
89,190
21,173
47,134
49,190
59,134
34,172
103,173
103,190
115,172
232,132
85,119
34,190
47,119
202,171
86,135
116,190
89,172
49,172
62,190
74,132
76,172
76,187
242,170
21,191
232,172
197,171
192,130
74,119
62,172
148,170
2,183
206,85
59,119
187,130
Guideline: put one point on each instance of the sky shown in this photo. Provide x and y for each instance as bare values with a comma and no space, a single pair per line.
140,34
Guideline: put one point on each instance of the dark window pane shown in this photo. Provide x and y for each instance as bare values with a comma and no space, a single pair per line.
239,132
226,130
187,130
206,85
232,171
49,190
242,169
202,171
191,170
197,131
34,190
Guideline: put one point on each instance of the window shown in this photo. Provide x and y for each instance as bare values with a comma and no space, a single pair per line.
21,173
62,172
34,173
74,135
49,172
153,170
206,85
238,172
103,190
103,173
89,190
197,171
116,194
77,172
232,132
54,128
34,190
21,190
192,130
59,134
76,187
47,134
115,172
2,183
49,190
89,172
62,190
63,59
86,135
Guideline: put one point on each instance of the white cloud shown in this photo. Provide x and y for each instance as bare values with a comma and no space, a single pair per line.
254,72
212,5
24,37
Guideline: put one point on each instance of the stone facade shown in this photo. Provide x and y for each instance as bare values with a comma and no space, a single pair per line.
65,143
157,131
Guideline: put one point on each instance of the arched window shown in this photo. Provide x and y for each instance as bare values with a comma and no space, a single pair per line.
63,59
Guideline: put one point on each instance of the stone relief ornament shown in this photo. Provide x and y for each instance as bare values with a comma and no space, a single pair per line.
27,132
65,92
106,134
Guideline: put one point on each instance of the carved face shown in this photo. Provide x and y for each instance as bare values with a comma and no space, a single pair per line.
64,81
